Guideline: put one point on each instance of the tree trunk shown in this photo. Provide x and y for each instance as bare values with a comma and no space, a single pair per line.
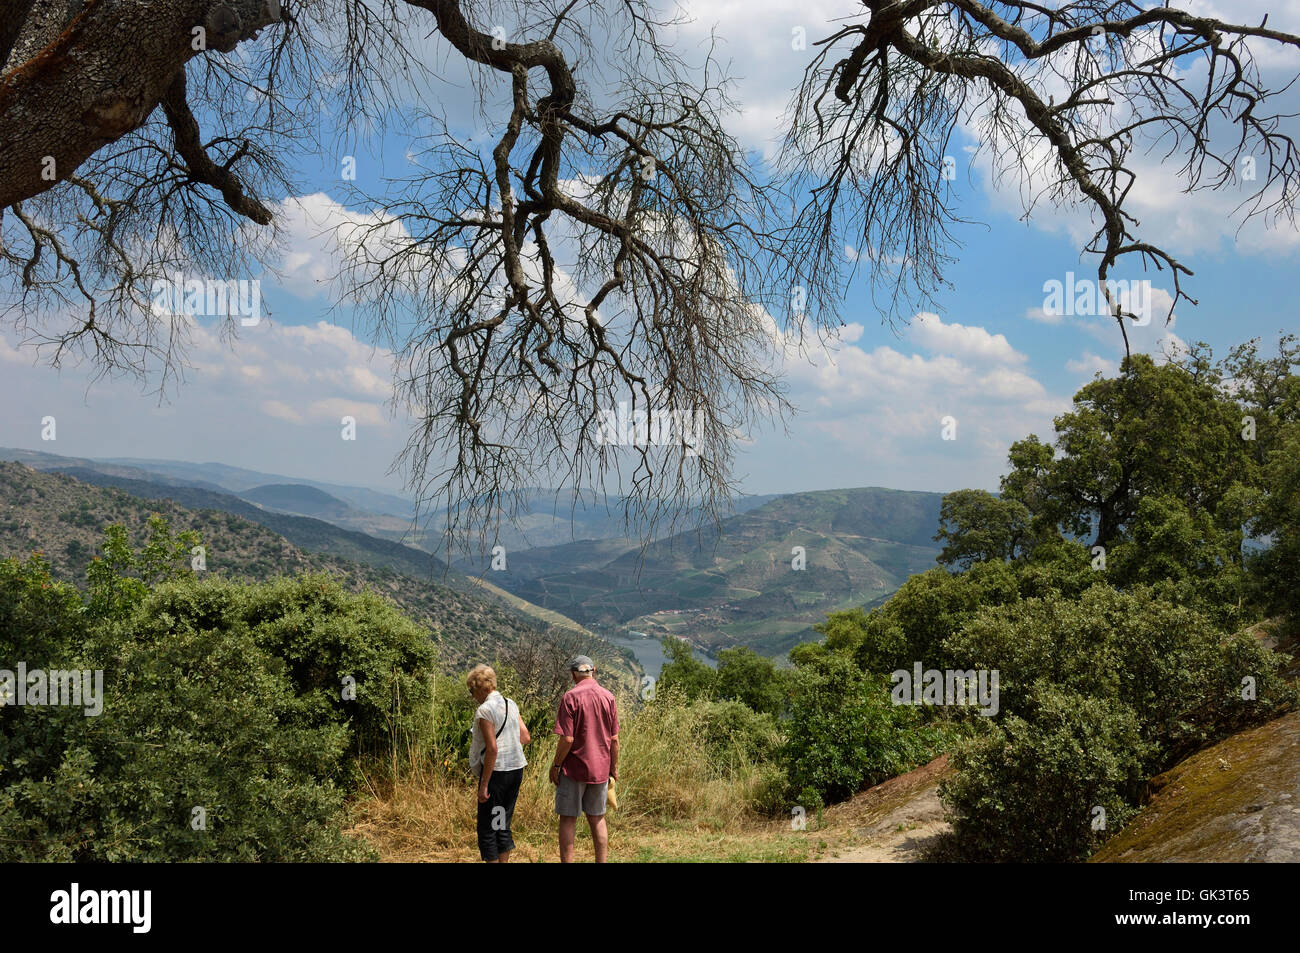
71,86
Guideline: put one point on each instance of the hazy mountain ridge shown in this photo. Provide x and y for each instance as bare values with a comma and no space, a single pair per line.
64,517
714,585
738,584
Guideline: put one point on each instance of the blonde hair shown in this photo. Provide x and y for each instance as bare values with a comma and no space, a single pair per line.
481,676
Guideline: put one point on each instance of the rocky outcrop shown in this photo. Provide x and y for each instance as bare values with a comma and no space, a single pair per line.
1238,801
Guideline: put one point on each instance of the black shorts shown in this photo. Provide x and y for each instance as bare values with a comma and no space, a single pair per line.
495,814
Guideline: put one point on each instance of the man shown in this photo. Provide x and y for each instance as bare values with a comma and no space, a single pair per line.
586,757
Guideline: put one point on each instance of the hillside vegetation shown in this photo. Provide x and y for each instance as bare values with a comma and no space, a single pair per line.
64,519
1124,618
736,584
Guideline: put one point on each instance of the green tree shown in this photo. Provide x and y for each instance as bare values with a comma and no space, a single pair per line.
976,526
1155,428
844,732
684,672
745,676
1277,568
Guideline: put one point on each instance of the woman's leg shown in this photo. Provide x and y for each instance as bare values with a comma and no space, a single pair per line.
487,840
504,796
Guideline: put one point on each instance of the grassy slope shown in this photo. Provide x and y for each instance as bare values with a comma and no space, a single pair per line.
64,519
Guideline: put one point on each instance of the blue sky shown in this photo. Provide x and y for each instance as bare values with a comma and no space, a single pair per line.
871,406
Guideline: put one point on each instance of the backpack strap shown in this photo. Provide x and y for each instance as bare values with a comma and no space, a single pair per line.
505,719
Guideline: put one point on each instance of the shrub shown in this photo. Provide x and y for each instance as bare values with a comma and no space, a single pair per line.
1027,789
224,732
745,676
321,634
844,731
1179,674
733,730
684,672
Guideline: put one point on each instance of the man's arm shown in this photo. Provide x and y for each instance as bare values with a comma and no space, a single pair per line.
564,728
561,752
613,739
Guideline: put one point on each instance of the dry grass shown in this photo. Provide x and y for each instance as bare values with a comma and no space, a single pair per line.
676,802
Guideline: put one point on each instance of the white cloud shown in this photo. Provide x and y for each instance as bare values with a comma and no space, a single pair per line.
959,340
270,400
874,415
1044,317
281,411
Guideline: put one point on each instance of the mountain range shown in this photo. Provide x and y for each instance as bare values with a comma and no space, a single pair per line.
762,577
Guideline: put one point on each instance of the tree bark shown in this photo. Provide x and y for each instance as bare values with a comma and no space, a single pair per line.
98,77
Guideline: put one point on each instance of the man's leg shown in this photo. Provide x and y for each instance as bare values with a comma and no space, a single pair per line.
599,836
568,832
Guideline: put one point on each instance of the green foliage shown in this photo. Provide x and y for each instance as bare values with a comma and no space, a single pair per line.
202,717
120,578
976,526
1178,674
684,673
745,676
1114,663
1277,569
220,697
913,624
322,635
732,729
1097,694
844,731
1027,789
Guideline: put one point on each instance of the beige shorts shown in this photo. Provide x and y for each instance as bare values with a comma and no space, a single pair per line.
575,797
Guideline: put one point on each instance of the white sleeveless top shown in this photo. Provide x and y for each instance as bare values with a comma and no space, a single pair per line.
510,753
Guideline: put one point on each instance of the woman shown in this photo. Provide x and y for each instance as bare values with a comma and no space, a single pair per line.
496,756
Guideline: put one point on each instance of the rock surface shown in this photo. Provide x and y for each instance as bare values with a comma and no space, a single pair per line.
1238,801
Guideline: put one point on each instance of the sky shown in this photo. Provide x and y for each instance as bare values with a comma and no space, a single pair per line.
872,405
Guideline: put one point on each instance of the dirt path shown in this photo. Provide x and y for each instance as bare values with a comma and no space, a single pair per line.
894,822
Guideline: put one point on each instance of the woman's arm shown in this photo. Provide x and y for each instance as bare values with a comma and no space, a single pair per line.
489,757
524,736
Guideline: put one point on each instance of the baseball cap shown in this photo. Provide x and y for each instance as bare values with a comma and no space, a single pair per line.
581,663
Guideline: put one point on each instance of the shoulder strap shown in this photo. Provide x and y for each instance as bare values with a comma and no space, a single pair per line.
505,719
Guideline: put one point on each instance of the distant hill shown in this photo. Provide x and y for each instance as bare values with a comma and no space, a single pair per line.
307,532
64,518
546,517
738,586
238,479
300,499
569,554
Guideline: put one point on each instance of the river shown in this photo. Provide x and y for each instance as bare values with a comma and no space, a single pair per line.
650,651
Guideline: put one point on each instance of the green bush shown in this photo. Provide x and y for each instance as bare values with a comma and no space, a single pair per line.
745,676
321,635
1028,789
734,730
224,733
685,673
1179,674
844,732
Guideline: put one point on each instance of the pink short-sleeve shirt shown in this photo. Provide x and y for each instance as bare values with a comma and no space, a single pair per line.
588,714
